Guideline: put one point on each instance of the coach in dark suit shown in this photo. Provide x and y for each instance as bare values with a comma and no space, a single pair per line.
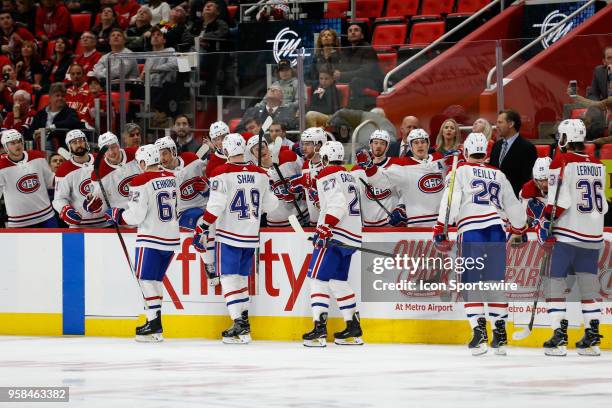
513,154
400,147
602,76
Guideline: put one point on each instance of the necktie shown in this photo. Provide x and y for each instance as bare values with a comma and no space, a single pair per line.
504,150
404,150
270,111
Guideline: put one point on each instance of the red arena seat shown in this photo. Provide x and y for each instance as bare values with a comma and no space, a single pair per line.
401,8
543,150
387,61
471,6
437,6
578,113
605,153
344,94
81,23
425,33
369,8
337,8
389,35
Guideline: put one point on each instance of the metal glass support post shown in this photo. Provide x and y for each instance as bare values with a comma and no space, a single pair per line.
301,88
499,61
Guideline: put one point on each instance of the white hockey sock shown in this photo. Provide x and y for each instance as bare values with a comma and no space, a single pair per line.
556,311
590,311
319,298
474,311
236,293
153,291
498,311
347,303
208,257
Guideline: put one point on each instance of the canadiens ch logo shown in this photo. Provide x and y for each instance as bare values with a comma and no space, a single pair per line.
85,187
187,190
431,183
28,183
124,186
378,193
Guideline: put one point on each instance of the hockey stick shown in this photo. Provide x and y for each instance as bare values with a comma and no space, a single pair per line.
202,151
286,184
545,268
295,224
369,188
264,128
451,186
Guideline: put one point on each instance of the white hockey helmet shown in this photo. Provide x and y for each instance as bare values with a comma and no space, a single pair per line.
75,134
331,151
573,130
254,141
381,134
166,142
416,134
107,139
475,143
233,145
218,129
540,168
149,154
314,135
10,135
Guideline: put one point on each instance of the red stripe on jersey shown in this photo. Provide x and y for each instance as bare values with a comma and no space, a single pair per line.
156,237
577,233
498,304
473,305
236,292
153,298
319,295
345,298
237,235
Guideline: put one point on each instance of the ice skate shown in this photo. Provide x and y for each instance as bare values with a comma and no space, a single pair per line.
317,336
351,335
211,274
239,333
500,338
589,344
478,344
151,331
245,318
557,344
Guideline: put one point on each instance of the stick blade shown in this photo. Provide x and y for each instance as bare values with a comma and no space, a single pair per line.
521,335
267,123
295,224
202,151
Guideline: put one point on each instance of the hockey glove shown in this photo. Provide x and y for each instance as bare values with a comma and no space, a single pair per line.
534,209
542,229
313,194
323,234
70,216
364,159
281,192
298,184
211,274
201,185
200,236
92,204
441,241
398,216
114,215
517,236
297,149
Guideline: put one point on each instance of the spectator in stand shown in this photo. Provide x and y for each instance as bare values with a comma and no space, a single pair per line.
130,67
273,10
96,92
108,21
178,35
55,160
325,100
252,125
56,115
272,106
162,71
57,66
449,137
29,69
327,54
213,28
90,55
12,37
513,154
602,78
359,68
132,135
21,116
196,6
185,142
343,122
77,93
400,147
52,21
160,10
481,125
139,29
9,84
126,9
288,83
78,6
277,129
25,13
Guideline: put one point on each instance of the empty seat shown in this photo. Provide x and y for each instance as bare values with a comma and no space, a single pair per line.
605,153
232,10
387,61
401,8
471,6
578,113
344,94
543,150
437,6
50,49
337,8
43,101
233,124
369,8
80,22
425,33
387,35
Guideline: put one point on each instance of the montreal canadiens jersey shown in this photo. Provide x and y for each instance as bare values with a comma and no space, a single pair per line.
529,192
582,195
215,160
239,194
371,213
24,185
72,185
189,171
152,206
116,178
311,169
482,197
339,197
289,166
420,184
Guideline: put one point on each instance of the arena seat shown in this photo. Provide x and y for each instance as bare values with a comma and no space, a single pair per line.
543,150
437,6
337,8
80,22
402,8
387,61
344,94
369,8
425,33
42,101
578,113
116,100
232,10
389,35
50,48
605,153
233,124
471,6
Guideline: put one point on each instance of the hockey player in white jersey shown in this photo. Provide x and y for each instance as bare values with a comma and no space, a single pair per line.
339,221
73,184
419,179
152,207
25,178
289,167
218,131
116,170
534,192
239,194
310,142
480,194
577,236
372,213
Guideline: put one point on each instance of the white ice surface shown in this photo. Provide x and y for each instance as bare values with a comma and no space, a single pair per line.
118,372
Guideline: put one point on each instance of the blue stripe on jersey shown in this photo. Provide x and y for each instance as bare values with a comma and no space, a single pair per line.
319,304
336,232
50,210
348,306
556,310
591,311
594,241
246,299
479,221
252,241
73,283
159,242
